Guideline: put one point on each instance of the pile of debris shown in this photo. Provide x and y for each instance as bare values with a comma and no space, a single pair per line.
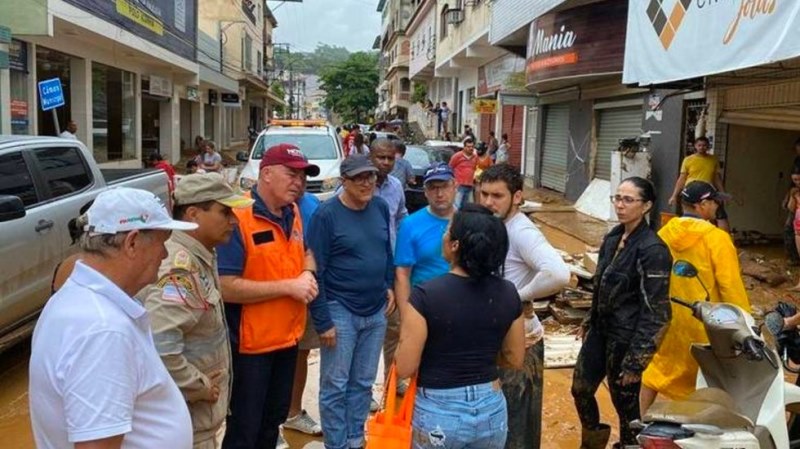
756,269
563,313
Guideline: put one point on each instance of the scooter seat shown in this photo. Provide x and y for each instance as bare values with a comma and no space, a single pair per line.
710,406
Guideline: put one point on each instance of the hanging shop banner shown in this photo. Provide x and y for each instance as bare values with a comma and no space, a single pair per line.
480,106
582,41
674,40
171,24
500,74
18,56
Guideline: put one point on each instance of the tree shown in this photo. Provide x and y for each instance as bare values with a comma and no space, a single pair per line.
310,63
420,94
278,90
350,86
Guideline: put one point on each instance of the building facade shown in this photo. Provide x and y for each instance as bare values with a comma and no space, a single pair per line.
137,78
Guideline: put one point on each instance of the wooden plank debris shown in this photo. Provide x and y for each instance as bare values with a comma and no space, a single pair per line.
567,315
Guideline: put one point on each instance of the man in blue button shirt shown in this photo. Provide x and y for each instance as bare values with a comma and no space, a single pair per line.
418,254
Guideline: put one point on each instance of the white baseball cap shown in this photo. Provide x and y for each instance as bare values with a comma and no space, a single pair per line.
124,209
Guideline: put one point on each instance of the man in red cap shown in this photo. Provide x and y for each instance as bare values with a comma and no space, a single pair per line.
268,277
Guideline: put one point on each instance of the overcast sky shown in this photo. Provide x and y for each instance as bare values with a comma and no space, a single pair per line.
352,24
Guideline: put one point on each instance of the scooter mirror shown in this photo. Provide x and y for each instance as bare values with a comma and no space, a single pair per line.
684,269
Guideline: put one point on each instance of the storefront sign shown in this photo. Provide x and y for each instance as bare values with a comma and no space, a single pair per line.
682,39
19,109
50,94
484,106
499,74
160,86
230,100
18,56
168,23
580,41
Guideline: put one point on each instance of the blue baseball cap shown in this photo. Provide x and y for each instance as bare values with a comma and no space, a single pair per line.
438,172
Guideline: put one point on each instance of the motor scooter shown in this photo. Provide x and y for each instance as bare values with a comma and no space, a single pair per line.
741,397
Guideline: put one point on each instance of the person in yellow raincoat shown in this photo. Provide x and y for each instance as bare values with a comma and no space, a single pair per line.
673,371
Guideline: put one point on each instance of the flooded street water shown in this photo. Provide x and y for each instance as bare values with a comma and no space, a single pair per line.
561,429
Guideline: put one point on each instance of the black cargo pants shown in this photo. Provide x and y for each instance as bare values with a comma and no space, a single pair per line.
600,358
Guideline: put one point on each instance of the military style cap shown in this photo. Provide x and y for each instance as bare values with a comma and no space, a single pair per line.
202,187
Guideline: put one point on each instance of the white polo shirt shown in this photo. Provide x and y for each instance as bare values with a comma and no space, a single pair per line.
95,372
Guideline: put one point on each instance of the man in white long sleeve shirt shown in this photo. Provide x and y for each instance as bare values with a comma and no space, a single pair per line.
537,270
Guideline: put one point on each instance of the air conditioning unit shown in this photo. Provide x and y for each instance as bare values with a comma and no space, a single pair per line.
455,16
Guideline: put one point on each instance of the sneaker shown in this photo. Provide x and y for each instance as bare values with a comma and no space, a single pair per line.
282,444
374,406
303,422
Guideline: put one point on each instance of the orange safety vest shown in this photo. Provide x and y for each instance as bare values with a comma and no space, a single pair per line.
277,323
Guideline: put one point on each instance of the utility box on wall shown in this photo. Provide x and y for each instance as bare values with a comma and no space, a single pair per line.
623,166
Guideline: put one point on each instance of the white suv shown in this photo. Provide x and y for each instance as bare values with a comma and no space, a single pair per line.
316,139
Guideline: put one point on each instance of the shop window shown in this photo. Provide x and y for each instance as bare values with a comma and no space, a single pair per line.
53,64
63,169
15,179
113,113
20,109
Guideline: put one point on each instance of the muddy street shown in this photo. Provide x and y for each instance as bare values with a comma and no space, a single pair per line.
561,429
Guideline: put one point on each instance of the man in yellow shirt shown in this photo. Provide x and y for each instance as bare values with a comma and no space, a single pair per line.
702,166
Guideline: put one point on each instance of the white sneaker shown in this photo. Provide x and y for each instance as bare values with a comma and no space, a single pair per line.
303,422
282,444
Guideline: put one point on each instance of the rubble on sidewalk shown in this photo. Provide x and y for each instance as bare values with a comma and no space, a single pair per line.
755,267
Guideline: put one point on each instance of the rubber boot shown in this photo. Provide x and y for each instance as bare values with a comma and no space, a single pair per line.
597,438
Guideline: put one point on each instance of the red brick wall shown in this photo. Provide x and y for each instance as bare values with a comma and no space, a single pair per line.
487,124
513,125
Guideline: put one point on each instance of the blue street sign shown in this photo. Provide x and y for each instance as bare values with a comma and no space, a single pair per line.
50,94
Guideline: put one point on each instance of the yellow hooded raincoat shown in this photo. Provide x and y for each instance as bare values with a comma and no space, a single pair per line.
673,370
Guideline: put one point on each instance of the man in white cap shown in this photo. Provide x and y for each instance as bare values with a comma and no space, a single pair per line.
185,305
96,380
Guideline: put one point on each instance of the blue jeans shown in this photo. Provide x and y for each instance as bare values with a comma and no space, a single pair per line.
463,196
472,417
347,372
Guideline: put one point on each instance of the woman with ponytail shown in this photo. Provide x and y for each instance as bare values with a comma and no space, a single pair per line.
630,314
456,330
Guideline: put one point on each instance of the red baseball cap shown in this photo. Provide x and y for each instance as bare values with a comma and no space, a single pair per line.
288,155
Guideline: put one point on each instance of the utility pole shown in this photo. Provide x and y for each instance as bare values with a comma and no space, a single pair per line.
288,64
291,92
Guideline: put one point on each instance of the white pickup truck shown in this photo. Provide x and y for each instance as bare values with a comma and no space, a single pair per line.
44,183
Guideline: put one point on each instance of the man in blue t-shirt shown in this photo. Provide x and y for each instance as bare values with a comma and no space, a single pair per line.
418,251
349,236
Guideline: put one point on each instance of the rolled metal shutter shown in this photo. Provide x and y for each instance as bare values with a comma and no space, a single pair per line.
555,147
613,125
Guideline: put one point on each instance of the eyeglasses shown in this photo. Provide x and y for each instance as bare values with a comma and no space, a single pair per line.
626,200
437,187
364,180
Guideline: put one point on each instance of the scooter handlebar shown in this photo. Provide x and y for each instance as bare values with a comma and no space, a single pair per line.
753,348
682,302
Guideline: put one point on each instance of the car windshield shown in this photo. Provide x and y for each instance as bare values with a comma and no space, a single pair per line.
418,157
314,146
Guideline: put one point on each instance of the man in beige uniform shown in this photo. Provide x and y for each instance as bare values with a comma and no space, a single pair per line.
185,305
